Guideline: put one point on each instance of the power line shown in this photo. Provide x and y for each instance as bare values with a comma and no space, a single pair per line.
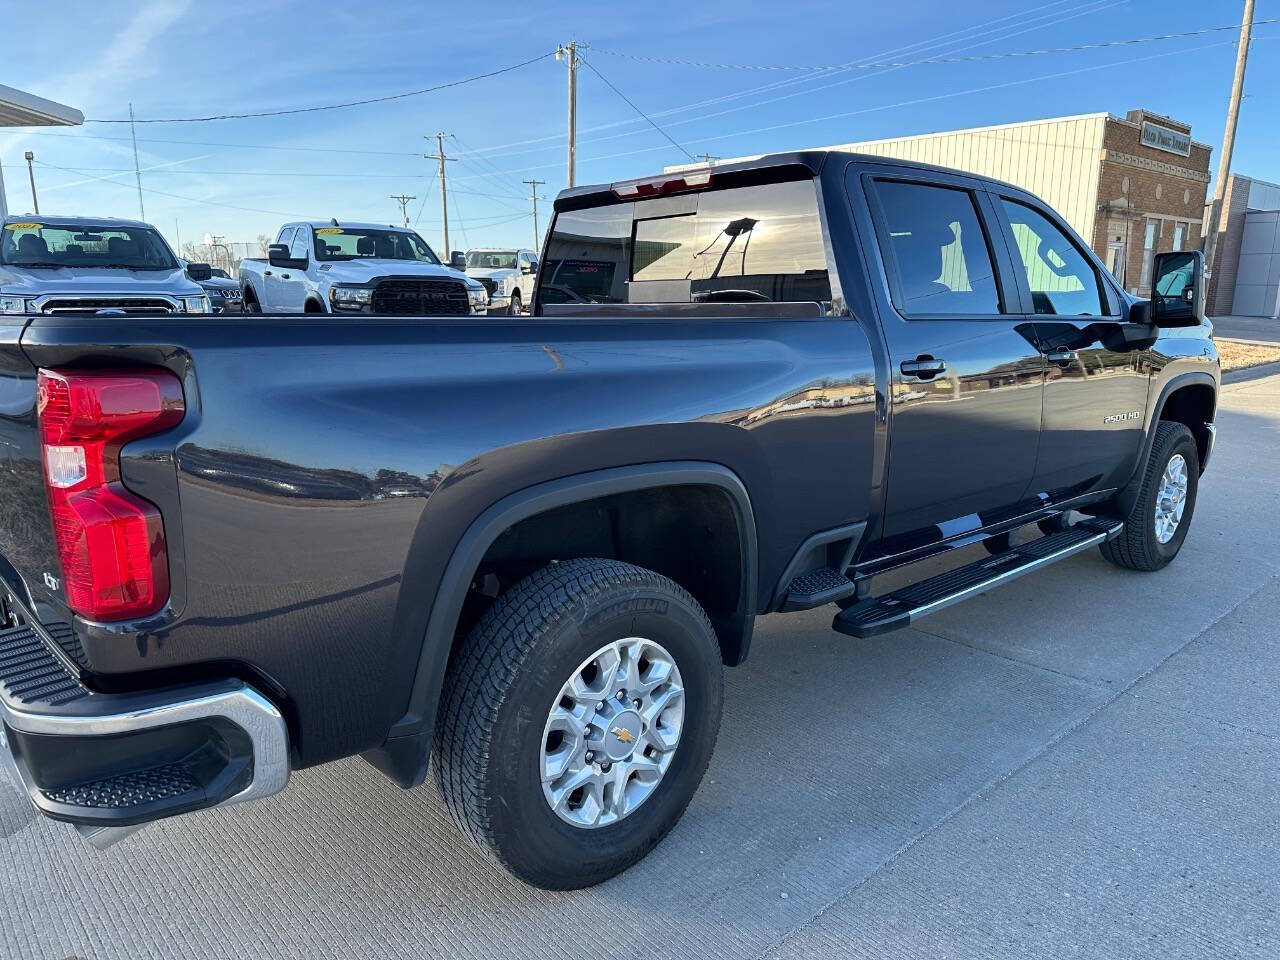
590,66
334,106
1026,22
502,218
974,58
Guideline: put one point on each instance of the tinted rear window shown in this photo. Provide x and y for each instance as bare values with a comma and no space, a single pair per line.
748,244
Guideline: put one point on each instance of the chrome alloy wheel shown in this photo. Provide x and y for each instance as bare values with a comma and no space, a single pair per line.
612,732
1171,498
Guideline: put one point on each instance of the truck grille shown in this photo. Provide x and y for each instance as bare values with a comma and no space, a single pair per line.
88,306
421,298
489,284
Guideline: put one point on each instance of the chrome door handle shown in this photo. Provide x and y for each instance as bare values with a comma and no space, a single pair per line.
1063,358
924,367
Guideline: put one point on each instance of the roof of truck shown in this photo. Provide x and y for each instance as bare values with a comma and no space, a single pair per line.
55,221
811,160
352,224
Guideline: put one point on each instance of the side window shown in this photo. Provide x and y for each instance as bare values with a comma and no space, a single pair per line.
1061,280
936,242
285,236
300,248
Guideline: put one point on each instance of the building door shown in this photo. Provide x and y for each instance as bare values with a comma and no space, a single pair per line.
1116,259
1095,392
966,377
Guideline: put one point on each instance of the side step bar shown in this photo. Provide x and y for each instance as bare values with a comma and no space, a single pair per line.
877,615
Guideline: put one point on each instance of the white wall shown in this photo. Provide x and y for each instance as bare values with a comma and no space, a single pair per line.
1257,291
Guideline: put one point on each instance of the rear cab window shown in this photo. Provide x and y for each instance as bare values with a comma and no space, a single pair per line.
755,244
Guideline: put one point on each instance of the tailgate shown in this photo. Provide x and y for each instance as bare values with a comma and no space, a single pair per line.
26,532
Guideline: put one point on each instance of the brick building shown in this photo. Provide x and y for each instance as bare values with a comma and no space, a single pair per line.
1131,187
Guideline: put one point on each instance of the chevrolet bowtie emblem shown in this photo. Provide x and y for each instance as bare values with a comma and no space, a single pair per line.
623,734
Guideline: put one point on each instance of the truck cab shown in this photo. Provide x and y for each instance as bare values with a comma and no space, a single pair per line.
509,275
93,265
353,268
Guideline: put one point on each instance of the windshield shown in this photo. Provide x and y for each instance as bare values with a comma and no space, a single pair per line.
219,273
491,259
356,243
32,243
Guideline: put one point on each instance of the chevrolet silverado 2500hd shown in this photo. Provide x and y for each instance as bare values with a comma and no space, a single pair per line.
356,268
525,549
88,265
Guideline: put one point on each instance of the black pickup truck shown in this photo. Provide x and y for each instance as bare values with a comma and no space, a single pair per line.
526,547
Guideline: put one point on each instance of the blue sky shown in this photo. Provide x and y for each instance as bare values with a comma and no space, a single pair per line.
242,178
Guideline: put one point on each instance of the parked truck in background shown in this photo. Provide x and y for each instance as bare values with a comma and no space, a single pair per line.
508,275
524,550
93,265
355,268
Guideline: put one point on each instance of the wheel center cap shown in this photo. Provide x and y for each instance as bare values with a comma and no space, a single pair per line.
621,735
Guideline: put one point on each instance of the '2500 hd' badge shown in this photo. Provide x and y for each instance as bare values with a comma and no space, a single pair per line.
1123,417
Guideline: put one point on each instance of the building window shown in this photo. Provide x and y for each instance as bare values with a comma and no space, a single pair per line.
1179,235
1149,251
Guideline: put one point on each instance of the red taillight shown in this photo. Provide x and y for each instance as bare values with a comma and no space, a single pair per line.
110,542
658,186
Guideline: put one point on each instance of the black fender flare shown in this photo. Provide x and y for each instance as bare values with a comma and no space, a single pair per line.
405,754
1128,494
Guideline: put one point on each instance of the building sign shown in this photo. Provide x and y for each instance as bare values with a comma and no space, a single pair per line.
1163,138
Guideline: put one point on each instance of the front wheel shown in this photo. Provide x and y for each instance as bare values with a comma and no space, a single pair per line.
577,720
1157,525
515,307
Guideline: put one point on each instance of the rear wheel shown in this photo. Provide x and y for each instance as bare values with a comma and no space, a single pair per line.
251,304
577,720
1157,525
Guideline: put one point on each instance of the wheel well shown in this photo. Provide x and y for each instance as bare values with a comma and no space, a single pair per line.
249,293
313,306
1192,405
688,533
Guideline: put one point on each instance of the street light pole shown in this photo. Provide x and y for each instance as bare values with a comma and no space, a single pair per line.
32,177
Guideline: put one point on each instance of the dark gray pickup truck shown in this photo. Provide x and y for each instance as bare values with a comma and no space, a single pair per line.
523,549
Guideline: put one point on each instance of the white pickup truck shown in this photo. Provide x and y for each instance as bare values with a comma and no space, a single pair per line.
507,274
332,267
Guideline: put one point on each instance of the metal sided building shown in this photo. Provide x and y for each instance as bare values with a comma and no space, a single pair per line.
1131,187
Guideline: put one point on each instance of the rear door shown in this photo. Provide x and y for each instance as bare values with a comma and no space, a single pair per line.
966,375
1098,372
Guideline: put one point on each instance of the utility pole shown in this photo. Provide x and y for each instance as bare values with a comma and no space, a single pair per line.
570,53
401,199
142,213
32,177
444,200
1228,142
708,159
533,185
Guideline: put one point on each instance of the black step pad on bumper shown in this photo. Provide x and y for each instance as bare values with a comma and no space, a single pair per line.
877,615
152,754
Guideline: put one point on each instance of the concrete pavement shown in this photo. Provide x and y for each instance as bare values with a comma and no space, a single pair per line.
1261,329
1085,762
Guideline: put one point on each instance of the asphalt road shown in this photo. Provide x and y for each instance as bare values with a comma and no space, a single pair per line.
1084,763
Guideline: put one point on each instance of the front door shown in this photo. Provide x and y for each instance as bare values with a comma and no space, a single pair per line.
1095,395
965,372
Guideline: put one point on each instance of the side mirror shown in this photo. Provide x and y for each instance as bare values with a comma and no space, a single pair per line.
458,260
199,272
529,268
1177,289
278,255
